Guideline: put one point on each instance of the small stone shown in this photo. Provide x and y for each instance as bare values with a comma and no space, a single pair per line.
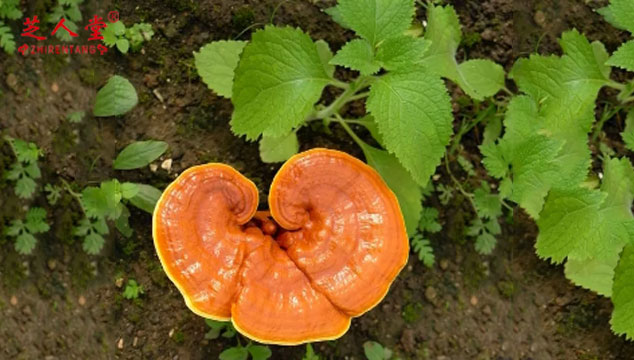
430,294
12,82
150,80
488,34
153,167
14,300
171,333
540,18
444,264
26,310
118,282
167,165
562,300
120,344
410,268
68,97
436,177
54,87
487,310
474,300
135,341
534,347
52,264
82,300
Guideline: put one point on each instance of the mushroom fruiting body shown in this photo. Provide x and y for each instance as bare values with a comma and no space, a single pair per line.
340,243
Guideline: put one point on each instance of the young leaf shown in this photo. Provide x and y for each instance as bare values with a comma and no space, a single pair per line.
357,55
36,220
400,181
234,353
413,113
489,205
7,40
623,57
622,321
117,97
295,77
429,221
259,352
216,63
376,20
323,49
478,78
628,133
129,190
139,154
375,351
422,247
278,149
93,243
123,45
401,52
310,353
619,13
146,198
25,187
485,243
25,243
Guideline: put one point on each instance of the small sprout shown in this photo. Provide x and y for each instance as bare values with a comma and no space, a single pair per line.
445,193
375,351
257,352
132,290
125,39
219,328
25,170
76,117
53,193
24,231
310,353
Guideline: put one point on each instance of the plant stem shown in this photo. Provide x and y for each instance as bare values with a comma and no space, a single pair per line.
349,130
466,194
74,194
605,116
466,128
350,90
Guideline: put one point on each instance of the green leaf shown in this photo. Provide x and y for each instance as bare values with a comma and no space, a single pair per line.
102,201
26,152
216,63
129,190
422,247
401,52
123,45
93,243
25,243
109,37
619,13
117,97
36,220
376,20
628,133
132,290
323,49
122,222
7,40
429,221
33,170
413,113
76,117
278,149
593,274
481,78
100,225
16,227
25,187
485,243
623,57
494,160
622,321
139,154
399,181
234,353
310,353
118,28
375,351
259,352
336,16
146,198
357,55
15,171
278,80
488,205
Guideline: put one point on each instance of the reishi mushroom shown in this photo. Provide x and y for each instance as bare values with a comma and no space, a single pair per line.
329,249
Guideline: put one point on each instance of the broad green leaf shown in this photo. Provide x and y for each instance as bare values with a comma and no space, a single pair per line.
477,78
111,191
489,205
628,133
278,149
234,353
117,97
139,154
129,190
494,160
279,78
93,243
123,45
146,198
375,20
400,181
259,352
619,13
357,55
413,113
101,202
623,57
622,321
216,62
336,16
25,243
25,187
482,78
593,274
401,52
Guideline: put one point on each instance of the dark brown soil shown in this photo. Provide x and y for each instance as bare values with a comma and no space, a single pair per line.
60,303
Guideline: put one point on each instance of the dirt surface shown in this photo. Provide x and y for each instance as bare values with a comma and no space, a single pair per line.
60,303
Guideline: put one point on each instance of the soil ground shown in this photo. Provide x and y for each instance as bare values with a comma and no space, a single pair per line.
60,303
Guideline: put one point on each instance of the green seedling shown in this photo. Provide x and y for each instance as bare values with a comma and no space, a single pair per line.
24,231
126,39
132,290
24,170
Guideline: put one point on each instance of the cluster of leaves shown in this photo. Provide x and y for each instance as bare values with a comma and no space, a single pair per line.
24,231
68,10
9,9
125,39
132,290
24,170
409,110
238,352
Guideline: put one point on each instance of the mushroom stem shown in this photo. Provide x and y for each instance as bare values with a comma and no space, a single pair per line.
268,226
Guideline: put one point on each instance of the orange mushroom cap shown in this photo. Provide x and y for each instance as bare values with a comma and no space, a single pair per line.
341,244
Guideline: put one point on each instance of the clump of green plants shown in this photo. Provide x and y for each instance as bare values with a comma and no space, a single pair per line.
24,171
70,12
132,290
238,352
126,39
24,231
9,9
399,79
